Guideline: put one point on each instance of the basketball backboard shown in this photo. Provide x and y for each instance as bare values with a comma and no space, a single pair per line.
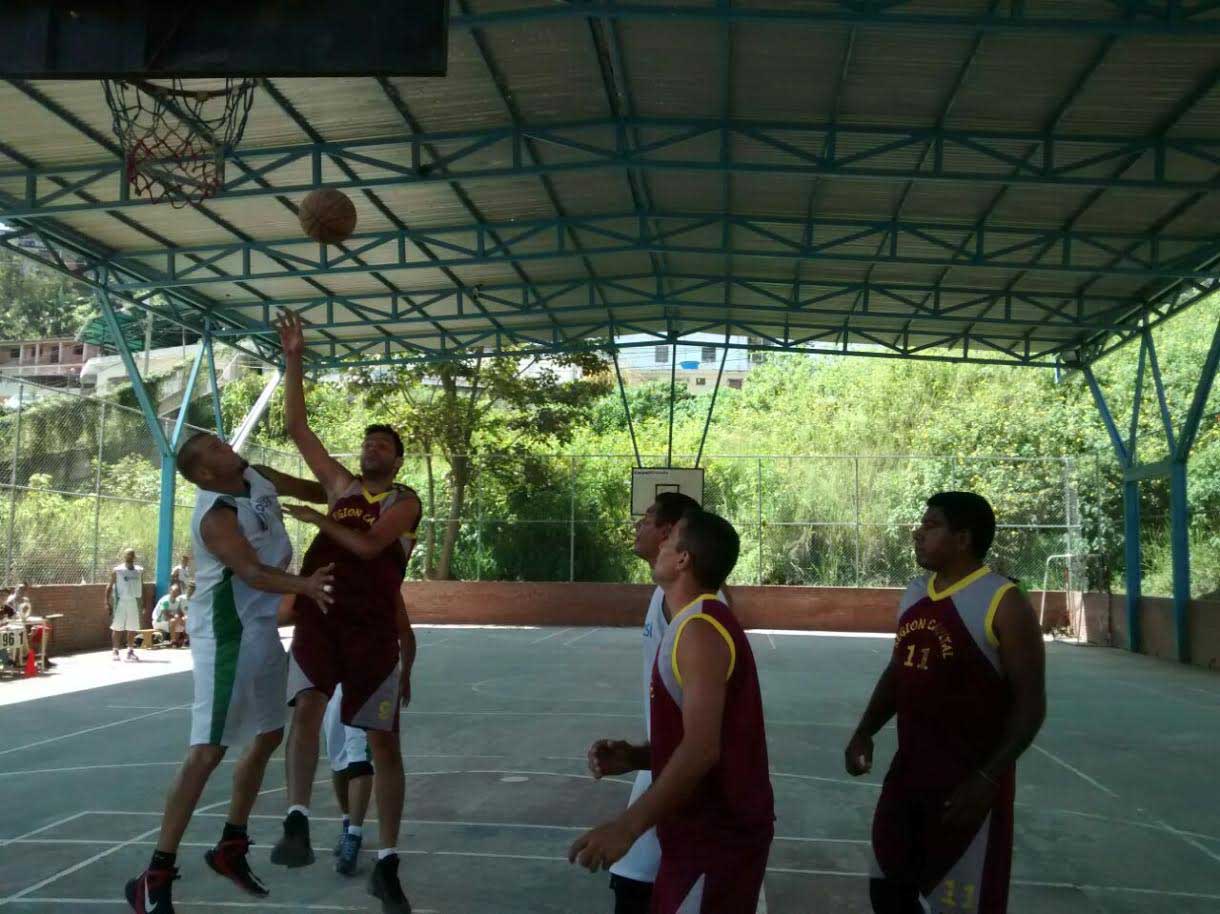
648,482
141,39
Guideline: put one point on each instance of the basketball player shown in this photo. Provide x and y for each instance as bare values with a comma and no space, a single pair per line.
242,549
967,683
711,799
631,878
125,593
351,766
364,642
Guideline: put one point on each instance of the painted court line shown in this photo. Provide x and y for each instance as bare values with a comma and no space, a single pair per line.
38,831
550,636
81,865
581,637
1189,840
1076,771
192,902
116,723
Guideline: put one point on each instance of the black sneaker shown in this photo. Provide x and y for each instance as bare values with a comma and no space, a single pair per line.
384,884
293,849
228,858
152,892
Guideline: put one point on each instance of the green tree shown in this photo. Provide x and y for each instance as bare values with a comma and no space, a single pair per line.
37,303
510,405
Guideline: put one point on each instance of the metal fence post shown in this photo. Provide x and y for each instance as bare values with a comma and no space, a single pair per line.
859,568
12,492
761,538
572,521
97,486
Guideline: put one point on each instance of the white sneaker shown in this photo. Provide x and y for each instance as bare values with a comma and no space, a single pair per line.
131,655
116,656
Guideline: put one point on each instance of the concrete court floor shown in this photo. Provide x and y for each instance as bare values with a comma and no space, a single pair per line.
1119,800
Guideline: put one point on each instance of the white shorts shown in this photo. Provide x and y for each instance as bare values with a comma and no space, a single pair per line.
642,862
239,687
345,746
126,616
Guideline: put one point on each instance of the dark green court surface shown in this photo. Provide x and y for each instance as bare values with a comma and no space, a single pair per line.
1119,810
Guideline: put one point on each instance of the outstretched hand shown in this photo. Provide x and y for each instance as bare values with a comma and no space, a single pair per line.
304,513
292,334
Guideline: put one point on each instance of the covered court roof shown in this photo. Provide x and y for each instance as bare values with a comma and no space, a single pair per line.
1014,182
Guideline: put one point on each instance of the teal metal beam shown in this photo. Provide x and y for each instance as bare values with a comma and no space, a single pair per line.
724,357
1179,541
217,412
1133,556
622,389
1162,469
187,392
1194,415
1155,18
675,145
906,242
948,304
165,512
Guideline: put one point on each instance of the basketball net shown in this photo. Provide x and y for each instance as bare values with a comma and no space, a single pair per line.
174,138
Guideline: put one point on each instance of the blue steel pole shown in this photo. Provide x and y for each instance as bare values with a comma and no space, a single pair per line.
165,523
1131,516
165,513
1180,541
1133,558
207,343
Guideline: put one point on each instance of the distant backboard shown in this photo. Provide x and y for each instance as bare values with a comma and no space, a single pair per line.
648,482
135,39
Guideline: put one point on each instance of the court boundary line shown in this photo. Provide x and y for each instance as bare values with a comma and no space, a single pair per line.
116,723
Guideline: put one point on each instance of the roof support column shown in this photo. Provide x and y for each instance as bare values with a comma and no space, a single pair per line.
626,407
165,446
1131,514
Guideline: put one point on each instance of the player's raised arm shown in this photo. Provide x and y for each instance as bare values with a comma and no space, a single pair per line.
292,486
223,537
332,474
402,518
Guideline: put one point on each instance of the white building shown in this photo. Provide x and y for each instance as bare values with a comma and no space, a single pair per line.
697,358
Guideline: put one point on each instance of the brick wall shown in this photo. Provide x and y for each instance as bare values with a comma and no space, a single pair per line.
86,622
844,609
85,625
1156,620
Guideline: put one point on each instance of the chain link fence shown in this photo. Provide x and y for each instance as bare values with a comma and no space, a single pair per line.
80,482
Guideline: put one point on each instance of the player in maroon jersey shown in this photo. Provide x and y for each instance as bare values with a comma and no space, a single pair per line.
967,683
711,799
363,642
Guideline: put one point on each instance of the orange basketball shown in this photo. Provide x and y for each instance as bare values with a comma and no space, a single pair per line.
327,215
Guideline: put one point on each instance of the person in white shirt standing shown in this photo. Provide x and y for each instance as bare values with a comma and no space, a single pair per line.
125,594
632,877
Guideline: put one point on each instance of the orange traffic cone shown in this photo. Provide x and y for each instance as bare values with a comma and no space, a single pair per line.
31,666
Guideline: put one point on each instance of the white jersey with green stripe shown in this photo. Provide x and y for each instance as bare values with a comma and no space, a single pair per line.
223,603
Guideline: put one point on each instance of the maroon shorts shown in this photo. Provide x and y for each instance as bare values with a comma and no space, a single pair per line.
708,879
953,869
362,656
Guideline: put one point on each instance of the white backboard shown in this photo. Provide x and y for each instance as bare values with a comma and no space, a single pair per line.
647,482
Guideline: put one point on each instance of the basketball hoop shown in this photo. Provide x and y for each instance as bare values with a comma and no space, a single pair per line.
174,138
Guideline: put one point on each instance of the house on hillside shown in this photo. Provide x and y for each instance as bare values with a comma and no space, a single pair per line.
697,359
53,362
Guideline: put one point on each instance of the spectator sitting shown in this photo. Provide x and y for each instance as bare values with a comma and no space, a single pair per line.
177,628
167,609
17,606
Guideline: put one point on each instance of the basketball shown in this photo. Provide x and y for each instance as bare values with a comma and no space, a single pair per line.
327,215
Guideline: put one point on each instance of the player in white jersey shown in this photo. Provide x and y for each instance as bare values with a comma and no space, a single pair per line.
351,766
632,877
240,669
125,596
